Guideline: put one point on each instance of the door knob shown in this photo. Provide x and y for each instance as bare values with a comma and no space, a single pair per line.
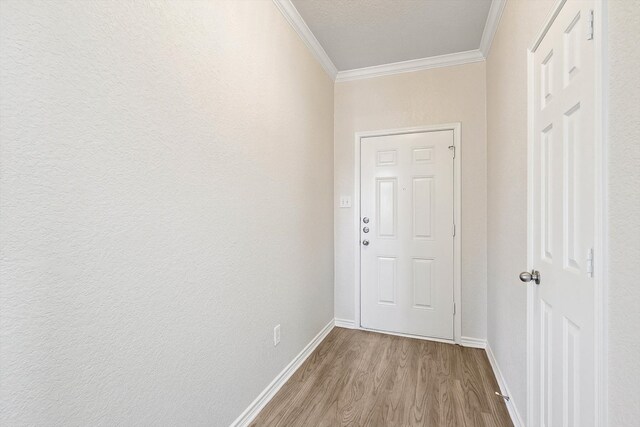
365,242
365,230
365,220
525,276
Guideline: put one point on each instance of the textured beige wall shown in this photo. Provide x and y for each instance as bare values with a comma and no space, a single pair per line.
444,95
624,213
507,189
166,199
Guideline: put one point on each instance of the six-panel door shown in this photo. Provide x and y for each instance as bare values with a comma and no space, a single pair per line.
407,266
563,221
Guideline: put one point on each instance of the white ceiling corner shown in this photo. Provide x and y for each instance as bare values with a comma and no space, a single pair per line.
490,28
295,20
298,23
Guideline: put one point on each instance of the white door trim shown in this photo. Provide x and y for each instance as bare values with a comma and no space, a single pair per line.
600,191
457,266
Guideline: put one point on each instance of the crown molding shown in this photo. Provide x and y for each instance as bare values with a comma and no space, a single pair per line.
292,16
411,65
491,26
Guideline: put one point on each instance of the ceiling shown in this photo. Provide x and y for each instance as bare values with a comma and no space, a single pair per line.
364,33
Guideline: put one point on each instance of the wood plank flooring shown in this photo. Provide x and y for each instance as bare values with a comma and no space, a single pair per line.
359,378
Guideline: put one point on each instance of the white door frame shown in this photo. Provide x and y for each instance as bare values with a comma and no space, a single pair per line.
600,191
457,269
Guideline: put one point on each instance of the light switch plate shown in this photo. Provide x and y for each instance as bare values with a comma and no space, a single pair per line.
345,201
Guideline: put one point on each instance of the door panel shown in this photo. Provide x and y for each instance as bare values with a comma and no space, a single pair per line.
407,266
563,204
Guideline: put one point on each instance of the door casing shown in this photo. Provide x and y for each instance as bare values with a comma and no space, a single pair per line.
457,266
600,219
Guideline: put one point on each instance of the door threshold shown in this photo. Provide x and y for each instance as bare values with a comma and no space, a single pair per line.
418,337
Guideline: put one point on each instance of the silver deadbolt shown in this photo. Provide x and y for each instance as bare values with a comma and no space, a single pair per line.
365,242
525,276
365,220
365,230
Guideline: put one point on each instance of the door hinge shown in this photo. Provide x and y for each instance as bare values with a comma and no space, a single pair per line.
454,308
590,26
454,230
590,262
453,150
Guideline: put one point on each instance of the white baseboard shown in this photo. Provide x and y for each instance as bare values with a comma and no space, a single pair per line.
345,323
267,394
473,342
511,406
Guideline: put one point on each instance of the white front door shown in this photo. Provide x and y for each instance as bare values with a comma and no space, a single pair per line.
406,231
562,207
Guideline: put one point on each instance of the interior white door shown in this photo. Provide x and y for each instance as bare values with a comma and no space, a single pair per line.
406,233
562,229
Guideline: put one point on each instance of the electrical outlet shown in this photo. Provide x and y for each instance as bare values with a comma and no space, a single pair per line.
276,335
345,202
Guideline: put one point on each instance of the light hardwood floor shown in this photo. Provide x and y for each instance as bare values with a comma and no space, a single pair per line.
359,378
